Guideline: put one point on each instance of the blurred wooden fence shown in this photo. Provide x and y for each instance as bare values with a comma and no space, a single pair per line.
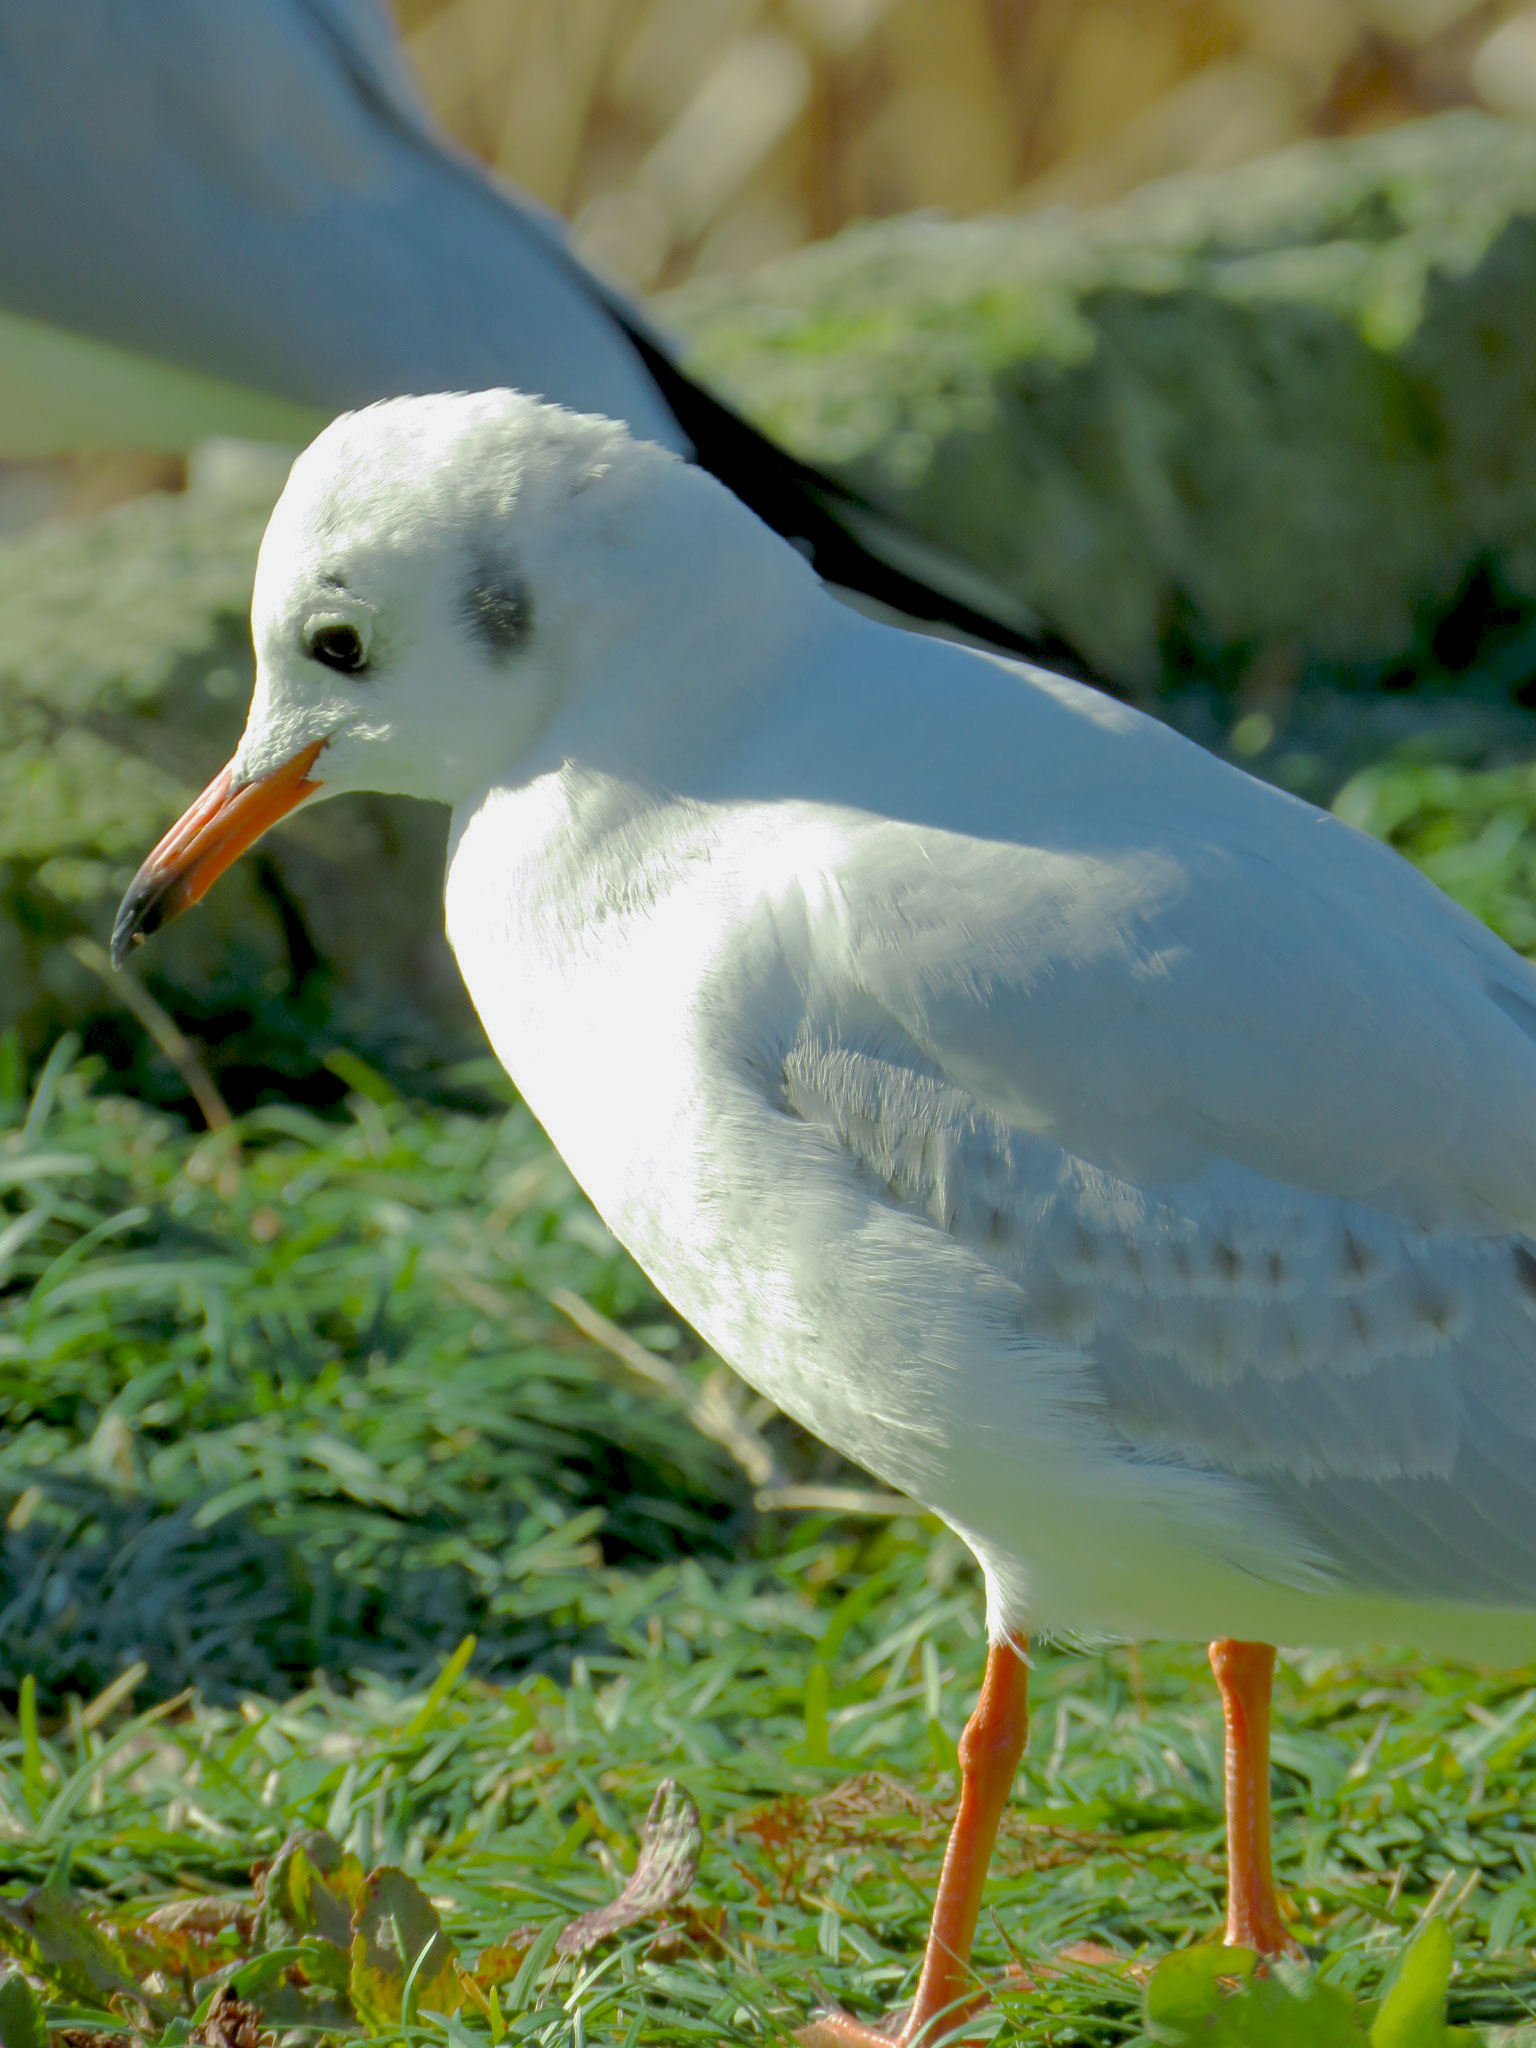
689,135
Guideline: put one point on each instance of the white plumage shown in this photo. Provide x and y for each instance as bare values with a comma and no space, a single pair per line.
1130,1162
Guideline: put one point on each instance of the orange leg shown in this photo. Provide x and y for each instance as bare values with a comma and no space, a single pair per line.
990,1750
1245,1673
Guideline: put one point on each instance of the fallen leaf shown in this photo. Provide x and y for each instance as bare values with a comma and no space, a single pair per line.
398,1942
500,1963
185,1939
310,1889
51,1932
671,1843
230,2022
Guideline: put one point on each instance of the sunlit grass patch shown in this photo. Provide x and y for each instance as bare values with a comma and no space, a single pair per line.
514,1807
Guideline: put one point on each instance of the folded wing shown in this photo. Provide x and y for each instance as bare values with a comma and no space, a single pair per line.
1254,1143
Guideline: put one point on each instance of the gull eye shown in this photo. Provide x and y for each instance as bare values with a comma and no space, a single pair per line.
339,646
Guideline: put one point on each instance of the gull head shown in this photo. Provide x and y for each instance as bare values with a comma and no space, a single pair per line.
438,581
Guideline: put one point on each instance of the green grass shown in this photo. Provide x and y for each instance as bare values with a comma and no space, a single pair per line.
293,1410
294,1397
514,1805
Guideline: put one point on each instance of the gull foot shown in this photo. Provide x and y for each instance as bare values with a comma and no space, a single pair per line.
947,1997
1268,1936
842,2030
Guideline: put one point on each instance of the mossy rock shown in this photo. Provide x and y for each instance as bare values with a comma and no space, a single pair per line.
1287,408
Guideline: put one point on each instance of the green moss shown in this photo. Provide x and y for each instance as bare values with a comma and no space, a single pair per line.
1286,407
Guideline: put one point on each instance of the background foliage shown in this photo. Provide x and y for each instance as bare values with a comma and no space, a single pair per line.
701,137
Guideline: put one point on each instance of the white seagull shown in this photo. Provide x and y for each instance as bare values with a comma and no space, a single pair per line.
241,219
1132,1163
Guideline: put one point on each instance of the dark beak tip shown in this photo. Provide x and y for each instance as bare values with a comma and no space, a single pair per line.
221,823
136,919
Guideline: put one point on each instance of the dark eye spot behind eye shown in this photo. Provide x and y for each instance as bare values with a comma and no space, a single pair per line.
497,610
339,646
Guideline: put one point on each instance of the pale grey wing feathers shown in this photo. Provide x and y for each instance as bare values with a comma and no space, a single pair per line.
1375,1384
1159,1003
1470,1538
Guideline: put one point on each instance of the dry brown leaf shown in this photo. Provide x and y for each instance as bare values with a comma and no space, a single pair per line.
230,2023
671,1842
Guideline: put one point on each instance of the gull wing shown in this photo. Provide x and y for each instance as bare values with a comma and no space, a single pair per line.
1251,1134
1244,981
1374,1385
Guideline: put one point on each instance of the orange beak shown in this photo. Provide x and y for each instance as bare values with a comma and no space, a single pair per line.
202,843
